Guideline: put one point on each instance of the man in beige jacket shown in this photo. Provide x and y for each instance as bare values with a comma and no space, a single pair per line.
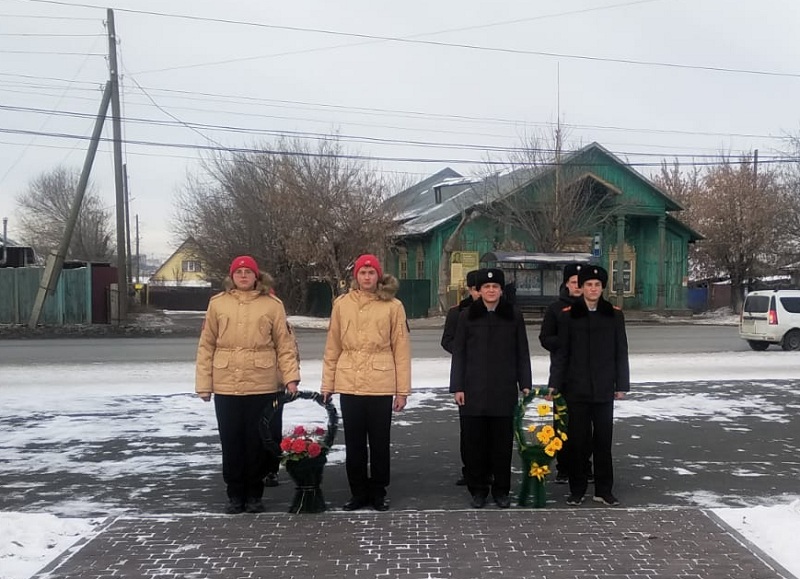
245,348
367,361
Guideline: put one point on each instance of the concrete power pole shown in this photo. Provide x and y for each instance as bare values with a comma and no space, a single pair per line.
127,221
55,261
138,259
122,262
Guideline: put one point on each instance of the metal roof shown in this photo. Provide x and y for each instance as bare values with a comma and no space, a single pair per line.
419,212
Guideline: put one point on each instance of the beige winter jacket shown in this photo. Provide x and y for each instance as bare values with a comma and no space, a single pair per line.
246,346
368,350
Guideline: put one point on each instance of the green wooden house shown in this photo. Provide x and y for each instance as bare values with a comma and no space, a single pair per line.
641,232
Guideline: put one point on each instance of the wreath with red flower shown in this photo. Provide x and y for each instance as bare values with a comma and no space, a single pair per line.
303,442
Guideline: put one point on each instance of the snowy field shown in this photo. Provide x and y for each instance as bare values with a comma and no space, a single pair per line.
76,396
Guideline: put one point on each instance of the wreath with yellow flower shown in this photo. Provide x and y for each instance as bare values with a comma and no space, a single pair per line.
540,435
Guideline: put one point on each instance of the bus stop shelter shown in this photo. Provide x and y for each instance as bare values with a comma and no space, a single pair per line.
532,278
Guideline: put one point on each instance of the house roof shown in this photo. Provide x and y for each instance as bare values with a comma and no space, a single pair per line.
189,242
419,212
677,224
11,242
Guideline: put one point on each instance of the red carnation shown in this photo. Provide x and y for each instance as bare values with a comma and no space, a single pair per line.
319,431
314,449
299,430
298,445
286,444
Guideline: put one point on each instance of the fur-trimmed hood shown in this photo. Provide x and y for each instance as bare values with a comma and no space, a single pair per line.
264,284
504,309
387,287
579,309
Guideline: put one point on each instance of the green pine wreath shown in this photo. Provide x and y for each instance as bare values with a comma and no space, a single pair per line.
535,448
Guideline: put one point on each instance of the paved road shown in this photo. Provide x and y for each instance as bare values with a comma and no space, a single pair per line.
734,443
170,526
643,339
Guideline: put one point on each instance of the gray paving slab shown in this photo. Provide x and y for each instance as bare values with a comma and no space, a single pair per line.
553,544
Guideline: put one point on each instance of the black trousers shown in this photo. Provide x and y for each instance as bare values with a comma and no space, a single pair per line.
591,429
367,424
488,442
244,459
462,446
276,429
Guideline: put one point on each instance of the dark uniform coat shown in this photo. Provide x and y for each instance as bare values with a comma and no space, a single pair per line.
591,362
548,334
498,367
451,323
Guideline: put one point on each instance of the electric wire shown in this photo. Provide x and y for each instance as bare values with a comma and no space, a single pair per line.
455,161
198,127
438,43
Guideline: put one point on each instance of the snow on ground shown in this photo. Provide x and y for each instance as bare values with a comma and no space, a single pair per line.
773,529
30,541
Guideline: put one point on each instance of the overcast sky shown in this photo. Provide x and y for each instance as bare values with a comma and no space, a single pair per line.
643,78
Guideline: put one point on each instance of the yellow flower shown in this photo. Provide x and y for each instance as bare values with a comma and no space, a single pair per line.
543,409
532,428
557,444
563,436
543,437
549,431
550,450
539,471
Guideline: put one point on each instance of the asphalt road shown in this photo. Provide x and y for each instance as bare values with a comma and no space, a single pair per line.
642,339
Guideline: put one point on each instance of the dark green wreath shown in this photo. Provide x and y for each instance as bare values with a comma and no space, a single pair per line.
534,451
273,446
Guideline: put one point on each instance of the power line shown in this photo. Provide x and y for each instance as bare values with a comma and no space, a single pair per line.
46,35
39,17
438,43
52,53
195,95
39,77
579,127
408,37
452,161
196,127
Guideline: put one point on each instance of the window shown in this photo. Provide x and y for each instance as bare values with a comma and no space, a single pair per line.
627,276
756,304
420,263
791,305
402,266
628,270
191,265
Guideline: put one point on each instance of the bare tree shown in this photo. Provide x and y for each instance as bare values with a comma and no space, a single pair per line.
45,206
791,179
303,213
743,212
685,187
553,202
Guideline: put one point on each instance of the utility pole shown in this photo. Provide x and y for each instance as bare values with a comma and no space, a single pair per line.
55,261
116,123
138,259
127,220
755,167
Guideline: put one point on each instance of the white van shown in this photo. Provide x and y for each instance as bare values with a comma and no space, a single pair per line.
771,317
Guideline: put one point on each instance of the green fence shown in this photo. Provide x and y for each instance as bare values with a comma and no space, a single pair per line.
414,293
416,297
71,303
